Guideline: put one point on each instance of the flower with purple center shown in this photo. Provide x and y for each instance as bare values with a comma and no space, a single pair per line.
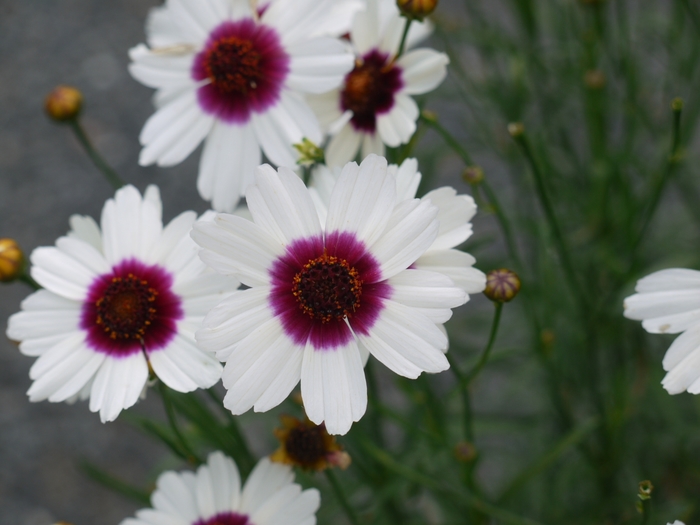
213,496
322,298
235,77
116,301
373,106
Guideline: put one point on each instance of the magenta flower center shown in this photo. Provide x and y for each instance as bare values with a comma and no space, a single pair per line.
243,67
233,65
328,288
369,90
225,518
131,309
126,308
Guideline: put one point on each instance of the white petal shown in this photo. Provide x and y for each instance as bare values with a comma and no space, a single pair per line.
365,33
161,70
326,107
199,17
684,345
85,253
411,229
235,246
184,367
422,70
86,229
455,212
333,386
297,511
423,289
227,166
175,494
118,384
44,314
343,147
664,312
372,144
226,482
398,125
407,180
281,204
456,265
684,376
60,273
670,279
406,341
205,292
362,200
318,65
297,20
266,359
264,481
172,234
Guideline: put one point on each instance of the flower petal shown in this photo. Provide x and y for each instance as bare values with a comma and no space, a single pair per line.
422,70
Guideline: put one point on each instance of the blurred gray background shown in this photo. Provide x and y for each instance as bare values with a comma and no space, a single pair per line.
45,178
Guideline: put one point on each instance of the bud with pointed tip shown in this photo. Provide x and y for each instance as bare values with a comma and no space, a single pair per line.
11,260
63,103
502,285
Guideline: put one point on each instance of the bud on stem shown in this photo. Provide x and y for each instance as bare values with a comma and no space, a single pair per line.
11,260
63,103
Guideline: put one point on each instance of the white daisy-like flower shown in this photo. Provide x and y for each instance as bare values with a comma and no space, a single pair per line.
236,76
668,302
373,107
213,496
116,300
455,213
322,298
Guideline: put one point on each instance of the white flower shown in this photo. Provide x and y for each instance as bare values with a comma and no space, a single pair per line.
455,213
116,300
668,302
374,108
677,522
213,496
235,77
322,298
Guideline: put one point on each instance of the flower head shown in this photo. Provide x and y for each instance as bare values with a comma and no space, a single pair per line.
63,103
308,446
322,298
235,77
668,302
417,8
11,260
373,107
116,300
214,496
502,285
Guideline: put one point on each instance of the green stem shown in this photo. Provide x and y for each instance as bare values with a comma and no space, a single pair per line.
562,248
488,191
646,511
463,385
27,279
404,37
95,157
487,351
233,426
342,499
167,403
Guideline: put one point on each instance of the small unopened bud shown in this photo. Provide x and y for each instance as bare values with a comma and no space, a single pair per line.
417,9
309,153
502,285
594,79
340,459
645,490
516,129
428,115
677,104
465,452
63,103
473,175
11,260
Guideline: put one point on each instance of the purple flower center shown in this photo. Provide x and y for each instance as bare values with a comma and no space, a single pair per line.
225,518
245,65
131,309
322,288
369,90
328,288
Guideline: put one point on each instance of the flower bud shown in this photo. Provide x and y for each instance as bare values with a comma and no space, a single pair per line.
594,79
417,9
465,452
502,285
63,103
11,260
516,129
473,175
309,153
645,490
677,104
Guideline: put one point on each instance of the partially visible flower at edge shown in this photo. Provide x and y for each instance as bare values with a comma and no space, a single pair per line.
668,302
118,300
213,496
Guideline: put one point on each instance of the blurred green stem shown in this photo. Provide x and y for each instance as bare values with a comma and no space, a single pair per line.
95,157
487,351
404,37
561,245
488,191
233,426
342,499
167,403
646,511
27,279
